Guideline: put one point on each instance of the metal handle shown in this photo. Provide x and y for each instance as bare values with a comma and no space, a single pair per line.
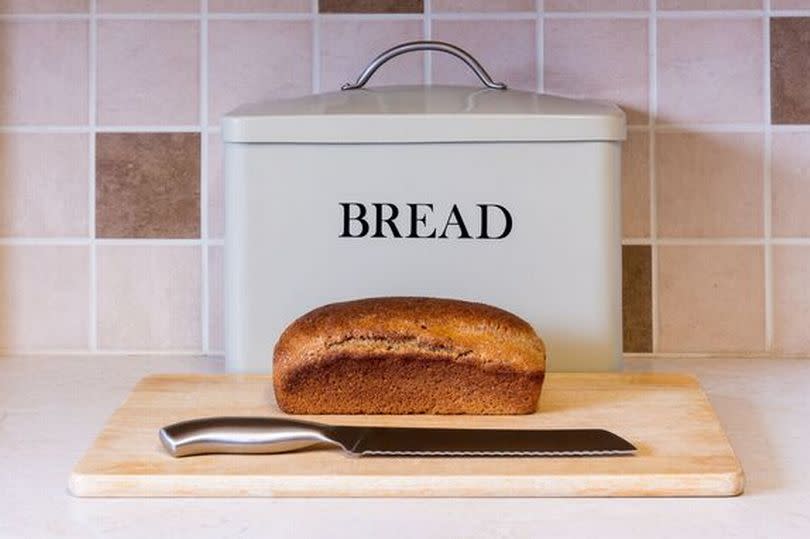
412,46
243,435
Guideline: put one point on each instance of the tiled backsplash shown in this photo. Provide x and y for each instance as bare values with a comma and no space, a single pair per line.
111,196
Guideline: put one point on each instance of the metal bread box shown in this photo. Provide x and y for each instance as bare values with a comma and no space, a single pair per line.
480,193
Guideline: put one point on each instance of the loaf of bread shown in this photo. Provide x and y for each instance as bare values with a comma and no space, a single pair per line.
408,355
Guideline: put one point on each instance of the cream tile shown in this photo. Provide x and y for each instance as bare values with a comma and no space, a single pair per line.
790,4
708,4
710,70
44,297
148,6
439,6
636,185
711,299
44,6
709,184
255,60
599,59
41,56
507,49
790,184
43,184
347,46
216,188
596,5
791,299
258,6
148,72
216,299
149,297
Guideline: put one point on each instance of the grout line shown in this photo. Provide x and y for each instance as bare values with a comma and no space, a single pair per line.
203,113
92,120
767,180
427,29
316,49
154,242
99,353
158,242
484,15
652,116
194,128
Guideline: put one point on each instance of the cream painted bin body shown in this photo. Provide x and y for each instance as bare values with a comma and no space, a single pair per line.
300,172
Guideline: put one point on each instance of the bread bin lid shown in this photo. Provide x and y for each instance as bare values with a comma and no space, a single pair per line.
412,114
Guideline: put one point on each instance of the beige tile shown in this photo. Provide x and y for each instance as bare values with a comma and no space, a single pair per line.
790,183
148,72
148,185
41,56
44,297
710,70
347,46
255,60
636,185
43,184
216,188
709,184
216,299
596,5
791,299
259,6
439,6
149,297
711,299
599,59
637,298
506,48
148,6
44,6
708,4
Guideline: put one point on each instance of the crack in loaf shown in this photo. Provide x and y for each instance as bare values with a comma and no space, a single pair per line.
408,355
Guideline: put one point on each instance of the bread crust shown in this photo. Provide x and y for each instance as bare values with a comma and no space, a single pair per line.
406,355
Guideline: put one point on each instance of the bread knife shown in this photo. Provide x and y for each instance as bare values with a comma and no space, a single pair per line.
245,435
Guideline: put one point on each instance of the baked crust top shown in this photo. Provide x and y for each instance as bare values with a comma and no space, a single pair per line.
428,328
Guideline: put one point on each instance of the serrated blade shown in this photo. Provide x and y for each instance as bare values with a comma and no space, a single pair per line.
429,442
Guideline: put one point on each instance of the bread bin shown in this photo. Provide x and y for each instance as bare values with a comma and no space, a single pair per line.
478,193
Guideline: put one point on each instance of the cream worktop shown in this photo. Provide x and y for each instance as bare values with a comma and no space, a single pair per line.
52,407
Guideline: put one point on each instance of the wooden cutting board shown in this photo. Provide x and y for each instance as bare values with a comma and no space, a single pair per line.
682,448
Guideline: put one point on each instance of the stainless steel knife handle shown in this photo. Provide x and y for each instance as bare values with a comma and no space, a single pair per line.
438,46
243,435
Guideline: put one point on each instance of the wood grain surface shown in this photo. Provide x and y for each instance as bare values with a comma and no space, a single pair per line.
683,450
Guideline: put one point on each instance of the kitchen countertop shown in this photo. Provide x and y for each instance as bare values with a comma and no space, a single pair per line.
51,408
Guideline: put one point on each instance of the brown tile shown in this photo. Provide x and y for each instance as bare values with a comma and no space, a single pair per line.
790,64
370,6
148,185
637,298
